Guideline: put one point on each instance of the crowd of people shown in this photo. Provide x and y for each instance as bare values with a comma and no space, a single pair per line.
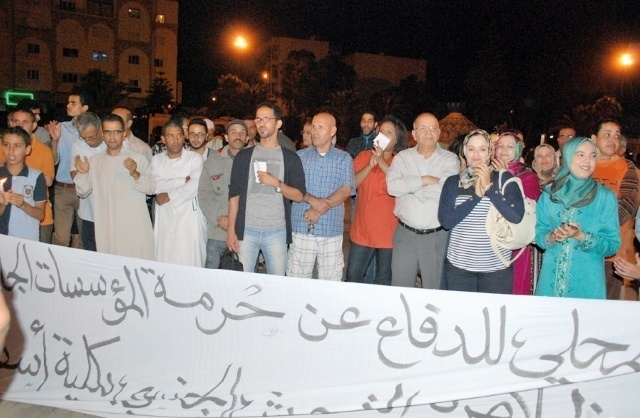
419,213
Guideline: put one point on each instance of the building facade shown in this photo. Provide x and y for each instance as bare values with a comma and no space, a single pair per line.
55,42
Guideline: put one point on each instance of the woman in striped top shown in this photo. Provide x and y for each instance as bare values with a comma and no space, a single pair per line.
471,264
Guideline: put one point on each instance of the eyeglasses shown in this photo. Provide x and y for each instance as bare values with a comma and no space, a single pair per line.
111,133
423,128
197,135
266,119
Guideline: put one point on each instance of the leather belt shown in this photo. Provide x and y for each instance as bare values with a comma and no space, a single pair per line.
64,185
420,231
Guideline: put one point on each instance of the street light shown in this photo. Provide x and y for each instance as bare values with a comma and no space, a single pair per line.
626,60
241,43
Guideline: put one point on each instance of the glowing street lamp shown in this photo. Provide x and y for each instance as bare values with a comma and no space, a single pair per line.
626,60
265,76
240,43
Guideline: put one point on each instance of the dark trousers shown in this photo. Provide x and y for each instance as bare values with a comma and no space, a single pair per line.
88,235
500,281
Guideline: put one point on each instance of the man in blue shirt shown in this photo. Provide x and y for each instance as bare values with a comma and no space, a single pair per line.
66,201
318,221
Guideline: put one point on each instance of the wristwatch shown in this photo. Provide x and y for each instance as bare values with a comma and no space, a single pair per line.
279,187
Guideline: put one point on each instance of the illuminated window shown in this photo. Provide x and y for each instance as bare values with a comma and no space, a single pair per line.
159,18
134,13
100,56
70,52
33,48
33,74
134,59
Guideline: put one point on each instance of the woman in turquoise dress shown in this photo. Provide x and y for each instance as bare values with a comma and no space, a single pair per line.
577,227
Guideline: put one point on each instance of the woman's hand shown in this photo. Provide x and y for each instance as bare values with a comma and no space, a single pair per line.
568,230
627,269
499,165
483,173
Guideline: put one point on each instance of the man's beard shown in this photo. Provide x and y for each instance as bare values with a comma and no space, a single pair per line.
200,147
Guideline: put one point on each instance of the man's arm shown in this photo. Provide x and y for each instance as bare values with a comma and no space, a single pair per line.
628,195
232,238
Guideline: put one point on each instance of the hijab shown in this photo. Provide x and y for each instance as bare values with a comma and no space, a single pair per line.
568,189
545,177
516,167
467,179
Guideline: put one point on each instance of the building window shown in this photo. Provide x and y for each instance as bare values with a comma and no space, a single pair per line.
133,87
158,62
100,56
100,7
33,48
134,13
70,52
33,75
159,18
67,5
69,77
134,59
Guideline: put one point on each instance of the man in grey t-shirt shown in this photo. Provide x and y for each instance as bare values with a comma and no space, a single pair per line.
265,179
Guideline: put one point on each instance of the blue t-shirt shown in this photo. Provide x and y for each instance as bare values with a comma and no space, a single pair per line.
31,184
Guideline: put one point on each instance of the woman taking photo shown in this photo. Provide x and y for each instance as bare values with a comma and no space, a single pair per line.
572,229
507,157
374,223
471,264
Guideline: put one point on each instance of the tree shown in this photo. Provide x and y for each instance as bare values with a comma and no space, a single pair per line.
236,97
587,116
160,98
105,91
299,83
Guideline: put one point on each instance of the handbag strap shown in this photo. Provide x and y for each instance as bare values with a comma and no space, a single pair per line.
503,187
506,262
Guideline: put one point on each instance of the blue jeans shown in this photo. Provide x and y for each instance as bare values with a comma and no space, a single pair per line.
272,242
361,258
214,249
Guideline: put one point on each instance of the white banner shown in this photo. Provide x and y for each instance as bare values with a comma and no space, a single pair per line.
114,336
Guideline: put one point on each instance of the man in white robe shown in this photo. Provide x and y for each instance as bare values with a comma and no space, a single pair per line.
119,181
180,227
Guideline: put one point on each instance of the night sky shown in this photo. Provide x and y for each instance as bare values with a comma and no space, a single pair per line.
550,48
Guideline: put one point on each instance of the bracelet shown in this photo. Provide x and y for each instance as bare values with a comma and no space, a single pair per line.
20,207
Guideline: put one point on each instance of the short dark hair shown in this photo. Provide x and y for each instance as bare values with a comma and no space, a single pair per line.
402,138
277,112
178,116
113,118
176,124
20,132
370,112
28,104
86,99
601,122
199,122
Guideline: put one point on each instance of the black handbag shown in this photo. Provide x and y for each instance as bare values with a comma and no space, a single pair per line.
229,261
